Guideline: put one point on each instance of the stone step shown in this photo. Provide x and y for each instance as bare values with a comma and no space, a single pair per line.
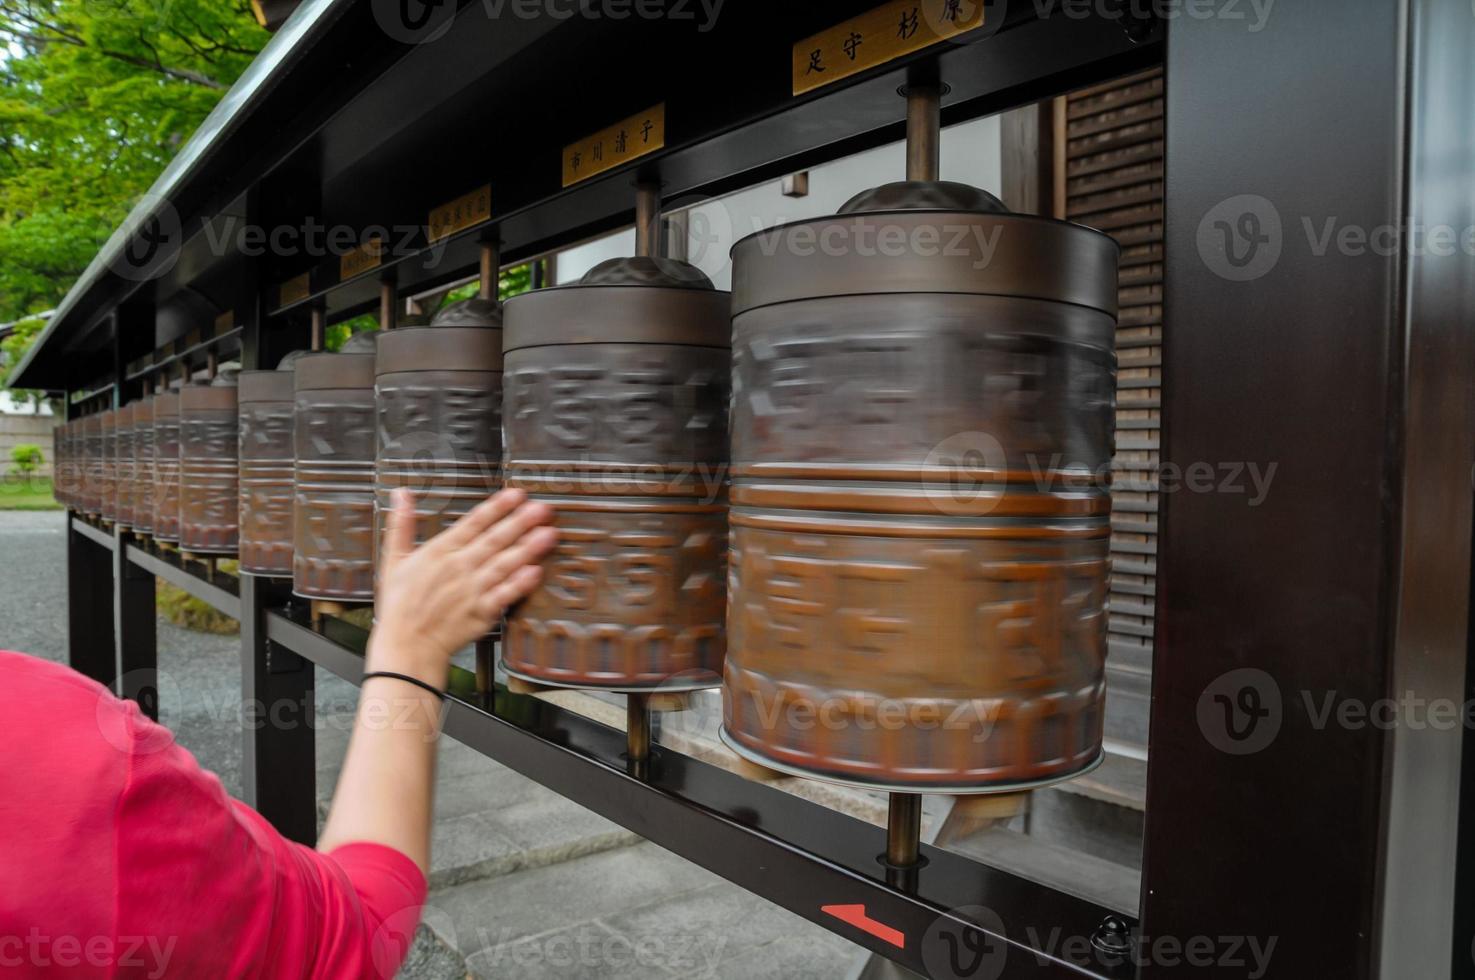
636,912
1077,872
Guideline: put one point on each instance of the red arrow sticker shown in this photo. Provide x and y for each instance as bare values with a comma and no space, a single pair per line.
855,915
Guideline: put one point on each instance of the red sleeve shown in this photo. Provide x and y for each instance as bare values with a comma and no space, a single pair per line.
223,894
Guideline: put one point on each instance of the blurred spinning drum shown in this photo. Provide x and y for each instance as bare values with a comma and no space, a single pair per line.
144,473
333,497
125,465
165,497
208,481
438,396
265,401
616,414
922,438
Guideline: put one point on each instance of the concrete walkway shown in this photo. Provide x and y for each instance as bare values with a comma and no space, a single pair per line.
525,883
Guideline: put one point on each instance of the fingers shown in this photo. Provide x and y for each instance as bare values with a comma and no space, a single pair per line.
528,549
479,518
513,588
399,539
509,529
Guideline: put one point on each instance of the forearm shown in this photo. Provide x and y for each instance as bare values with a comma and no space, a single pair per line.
386,784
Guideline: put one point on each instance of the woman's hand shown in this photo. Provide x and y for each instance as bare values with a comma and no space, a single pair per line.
435,599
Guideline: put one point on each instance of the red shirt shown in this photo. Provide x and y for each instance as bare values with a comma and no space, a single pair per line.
120,856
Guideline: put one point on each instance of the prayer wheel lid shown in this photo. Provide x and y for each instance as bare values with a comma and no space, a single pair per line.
440,347
926,237
208,395
473,312
642,300
345,369
227,378
924,195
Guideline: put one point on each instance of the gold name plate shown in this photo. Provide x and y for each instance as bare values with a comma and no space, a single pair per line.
465,211
878,36
642,133
361,259
294,290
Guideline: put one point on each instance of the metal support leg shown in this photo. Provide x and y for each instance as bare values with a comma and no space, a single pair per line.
278,749
135,630
90,648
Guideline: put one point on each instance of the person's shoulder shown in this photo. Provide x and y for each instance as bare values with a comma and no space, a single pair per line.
37,676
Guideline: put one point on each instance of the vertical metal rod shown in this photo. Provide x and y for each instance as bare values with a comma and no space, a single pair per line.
388,292
319,327
491,267
903,829
924,134
485,653
637,726
648,219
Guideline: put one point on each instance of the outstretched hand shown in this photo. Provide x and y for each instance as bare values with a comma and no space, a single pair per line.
435,599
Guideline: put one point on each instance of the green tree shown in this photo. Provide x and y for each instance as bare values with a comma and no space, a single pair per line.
96,96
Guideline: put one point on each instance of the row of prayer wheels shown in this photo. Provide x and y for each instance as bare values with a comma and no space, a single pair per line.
866,492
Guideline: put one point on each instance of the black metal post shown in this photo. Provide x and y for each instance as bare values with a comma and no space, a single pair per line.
90,647
1285,803
278,748
135,629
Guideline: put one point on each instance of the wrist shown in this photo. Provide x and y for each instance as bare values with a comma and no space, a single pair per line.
413,656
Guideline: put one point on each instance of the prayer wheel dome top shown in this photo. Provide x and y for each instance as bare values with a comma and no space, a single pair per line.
474,312
924,195
641,270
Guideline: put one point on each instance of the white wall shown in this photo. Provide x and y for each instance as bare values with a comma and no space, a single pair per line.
970,155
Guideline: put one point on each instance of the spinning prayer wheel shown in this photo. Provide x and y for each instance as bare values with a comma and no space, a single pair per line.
144,473
265,400
438,396
208,479
616,414
107,465
125,465
921,450
333,475
165,496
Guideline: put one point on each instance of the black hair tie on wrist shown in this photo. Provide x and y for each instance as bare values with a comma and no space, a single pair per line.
408,680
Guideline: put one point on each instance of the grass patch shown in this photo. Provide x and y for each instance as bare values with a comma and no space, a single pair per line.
27,493
182,609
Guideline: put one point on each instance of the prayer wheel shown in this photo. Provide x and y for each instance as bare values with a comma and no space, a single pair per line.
64,476
616,414
922,439
208,480
165,497
438,395
144,473
125,465
107,465
333,476
90,463
265,400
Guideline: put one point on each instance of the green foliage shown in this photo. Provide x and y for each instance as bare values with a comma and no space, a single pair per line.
14,347
96,96
339,333
182,609
25,458
27,493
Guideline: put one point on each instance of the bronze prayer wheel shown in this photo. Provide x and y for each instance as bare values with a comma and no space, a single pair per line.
438,395
333,501
265,400
107,465
923,407
165,497
208,481
125,465
64,462
144,473
616,414
89,462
